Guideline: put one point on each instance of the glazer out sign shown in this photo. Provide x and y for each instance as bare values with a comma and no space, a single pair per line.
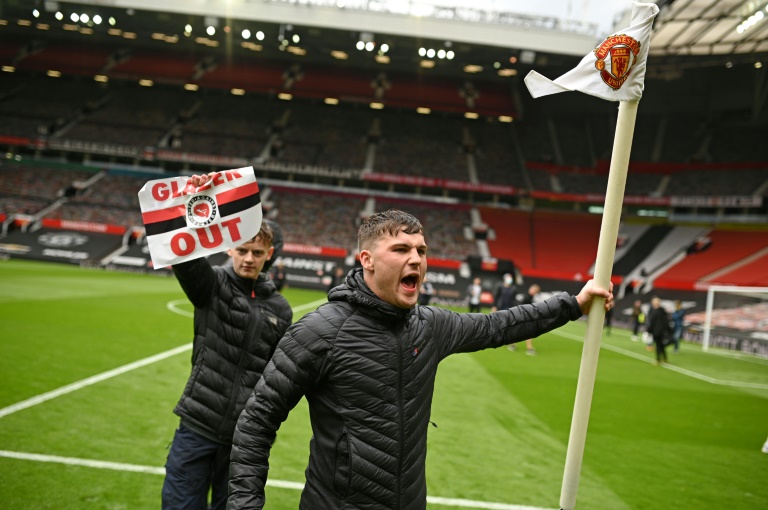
184,243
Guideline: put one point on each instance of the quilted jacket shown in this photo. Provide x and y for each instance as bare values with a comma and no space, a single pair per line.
238,322
368,372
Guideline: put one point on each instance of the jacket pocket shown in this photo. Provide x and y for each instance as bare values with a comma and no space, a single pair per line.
342,475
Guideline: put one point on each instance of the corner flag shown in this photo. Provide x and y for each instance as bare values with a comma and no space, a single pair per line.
614,71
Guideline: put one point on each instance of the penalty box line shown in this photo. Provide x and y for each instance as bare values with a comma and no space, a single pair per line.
280,484
69,388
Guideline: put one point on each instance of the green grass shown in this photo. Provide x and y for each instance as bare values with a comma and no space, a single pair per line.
658,438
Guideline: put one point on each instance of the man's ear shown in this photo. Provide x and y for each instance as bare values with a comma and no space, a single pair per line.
230,252
366,260
270,252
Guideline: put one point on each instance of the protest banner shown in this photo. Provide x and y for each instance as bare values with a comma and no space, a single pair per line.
184,222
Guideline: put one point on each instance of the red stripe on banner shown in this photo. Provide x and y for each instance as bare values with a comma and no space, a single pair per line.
237,193
163,214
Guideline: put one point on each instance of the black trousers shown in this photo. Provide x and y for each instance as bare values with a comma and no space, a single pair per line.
661,348
194,465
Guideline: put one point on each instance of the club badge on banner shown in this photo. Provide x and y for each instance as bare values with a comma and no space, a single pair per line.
183,222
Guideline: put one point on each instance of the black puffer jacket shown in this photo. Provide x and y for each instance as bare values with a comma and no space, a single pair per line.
368,371
238,322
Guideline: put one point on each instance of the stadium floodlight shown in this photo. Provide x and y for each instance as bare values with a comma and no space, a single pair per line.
430,53
246,33
74,17
450,54
441,54
369,46
384,48
296,38
360,45
36,13
59,16
112,20
210,30
97,19
260,35
84,18
422,52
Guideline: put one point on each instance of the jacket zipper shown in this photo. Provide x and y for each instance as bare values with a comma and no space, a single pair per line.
401,411
253,331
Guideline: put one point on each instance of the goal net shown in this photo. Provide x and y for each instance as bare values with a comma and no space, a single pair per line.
735,318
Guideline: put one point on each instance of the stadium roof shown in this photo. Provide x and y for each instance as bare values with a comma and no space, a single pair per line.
487,45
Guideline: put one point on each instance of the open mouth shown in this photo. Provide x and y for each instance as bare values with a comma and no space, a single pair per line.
410,282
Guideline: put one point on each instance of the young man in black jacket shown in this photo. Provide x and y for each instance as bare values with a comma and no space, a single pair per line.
366,362
239,318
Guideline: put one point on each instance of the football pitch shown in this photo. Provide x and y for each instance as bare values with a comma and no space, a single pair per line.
92,363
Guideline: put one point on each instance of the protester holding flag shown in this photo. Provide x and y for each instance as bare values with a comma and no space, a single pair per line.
239,318
366,362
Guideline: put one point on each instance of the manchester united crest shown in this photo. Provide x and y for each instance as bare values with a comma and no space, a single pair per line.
621,52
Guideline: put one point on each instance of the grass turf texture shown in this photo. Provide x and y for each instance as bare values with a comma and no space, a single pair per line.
658,438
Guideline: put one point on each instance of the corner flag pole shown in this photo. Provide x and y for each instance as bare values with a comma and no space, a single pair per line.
606,249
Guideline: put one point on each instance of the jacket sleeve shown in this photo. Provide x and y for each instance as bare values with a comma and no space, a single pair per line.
468,332
197,279
296,366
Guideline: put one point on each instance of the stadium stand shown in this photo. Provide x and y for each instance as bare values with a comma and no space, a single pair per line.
320,134
512,235
727,247
426,146
444,226
565,242
315,219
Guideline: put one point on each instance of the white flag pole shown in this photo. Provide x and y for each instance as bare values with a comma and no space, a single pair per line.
606,249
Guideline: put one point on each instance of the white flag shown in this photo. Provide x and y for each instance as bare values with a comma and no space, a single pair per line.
614,71
183,222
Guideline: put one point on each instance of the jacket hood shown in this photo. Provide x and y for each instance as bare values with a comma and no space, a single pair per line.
354,290
262,285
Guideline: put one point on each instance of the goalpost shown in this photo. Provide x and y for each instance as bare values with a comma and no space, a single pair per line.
754,313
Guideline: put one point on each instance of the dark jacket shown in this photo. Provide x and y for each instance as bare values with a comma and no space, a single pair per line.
368,372
658,323
238,322
505,297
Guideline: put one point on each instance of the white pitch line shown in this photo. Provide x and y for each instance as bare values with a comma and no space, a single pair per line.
679,370
280,484
69,388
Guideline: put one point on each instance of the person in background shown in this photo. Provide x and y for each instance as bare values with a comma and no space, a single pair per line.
474,292
638,319
239,318
505,297
658,328
278,276
337,278
678,317
533,291
366,362
426,292
608,322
